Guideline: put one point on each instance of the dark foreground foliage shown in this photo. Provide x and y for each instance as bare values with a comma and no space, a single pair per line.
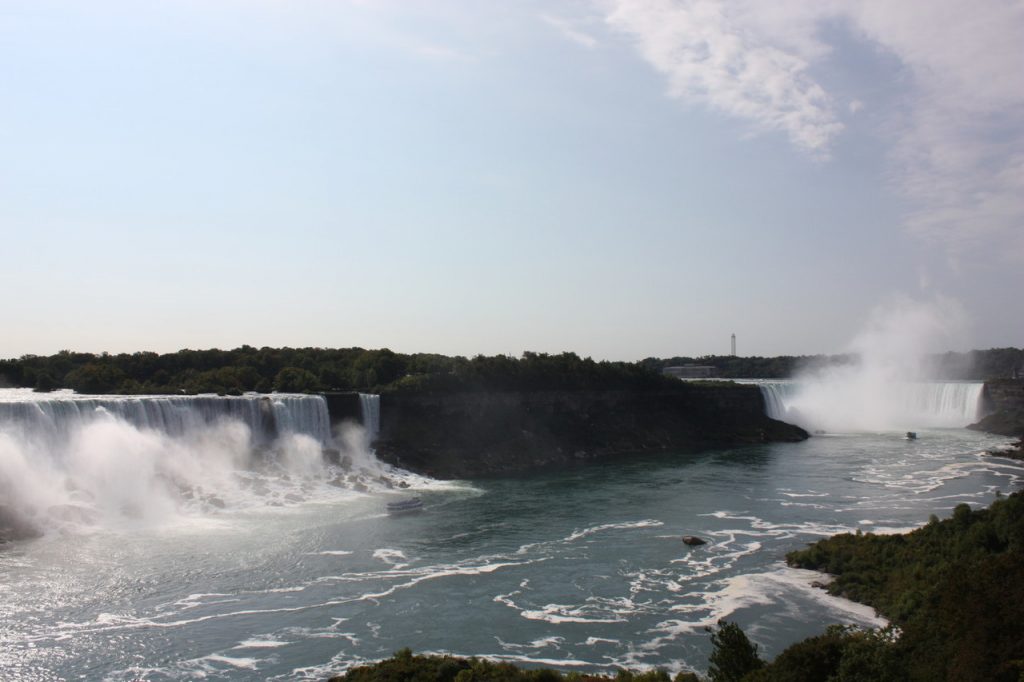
405,667
954,588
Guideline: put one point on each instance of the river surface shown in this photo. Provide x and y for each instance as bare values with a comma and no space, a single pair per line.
581,569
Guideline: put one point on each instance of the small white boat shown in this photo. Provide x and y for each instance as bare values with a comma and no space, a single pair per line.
411,504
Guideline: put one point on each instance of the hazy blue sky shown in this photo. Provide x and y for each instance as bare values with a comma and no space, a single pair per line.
620,178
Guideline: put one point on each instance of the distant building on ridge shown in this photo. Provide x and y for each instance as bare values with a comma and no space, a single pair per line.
690,371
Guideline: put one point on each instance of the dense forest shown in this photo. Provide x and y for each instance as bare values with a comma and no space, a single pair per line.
976,365
344,369
951,589
307,370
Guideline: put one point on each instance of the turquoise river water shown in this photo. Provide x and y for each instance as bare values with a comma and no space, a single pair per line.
174,554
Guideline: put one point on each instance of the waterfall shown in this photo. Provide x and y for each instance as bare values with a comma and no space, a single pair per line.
52,417
69,460
369,404
862,406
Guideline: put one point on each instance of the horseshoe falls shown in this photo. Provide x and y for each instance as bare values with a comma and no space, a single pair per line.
837,406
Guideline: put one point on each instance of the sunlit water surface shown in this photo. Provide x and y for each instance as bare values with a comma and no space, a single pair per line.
581,569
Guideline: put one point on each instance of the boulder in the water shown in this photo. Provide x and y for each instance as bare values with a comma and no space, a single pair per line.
693,540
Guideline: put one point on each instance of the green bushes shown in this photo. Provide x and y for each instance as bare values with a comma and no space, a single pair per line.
734,656
952,587
403,666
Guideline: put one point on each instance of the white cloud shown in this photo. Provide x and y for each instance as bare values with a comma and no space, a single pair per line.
956,136
959,151
711,55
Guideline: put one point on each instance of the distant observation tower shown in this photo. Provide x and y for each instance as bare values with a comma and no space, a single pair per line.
734,345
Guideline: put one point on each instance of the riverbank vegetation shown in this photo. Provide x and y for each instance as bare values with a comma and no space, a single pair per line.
952,591
308,370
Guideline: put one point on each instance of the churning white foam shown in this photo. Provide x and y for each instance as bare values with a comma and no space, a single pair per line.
889,384
72,463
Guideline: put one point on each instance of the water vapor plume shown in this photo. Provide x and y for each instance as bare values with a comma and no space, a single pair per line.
890,382
901,335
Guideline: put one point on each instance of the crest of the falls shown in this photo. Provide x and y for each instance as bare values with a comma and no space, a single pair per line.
69,461
52,417
861,406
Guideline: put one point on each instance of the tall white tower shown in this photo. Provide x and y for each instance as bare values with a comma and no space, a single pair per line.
734,345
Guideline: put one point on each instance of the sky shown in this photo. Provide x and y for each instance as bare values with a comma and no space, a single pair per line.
617,178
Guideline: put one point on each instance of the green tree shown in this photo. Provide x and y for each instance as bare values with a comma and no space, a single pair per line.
295,380
95,377
734,656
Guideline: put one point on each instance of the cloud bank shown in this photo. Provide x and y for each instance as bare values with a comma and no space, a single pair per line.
955,133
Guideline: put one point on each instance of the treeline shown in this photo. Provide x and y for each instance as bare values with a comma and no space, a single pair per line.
952,590
975,365
344,369
754,367
308,370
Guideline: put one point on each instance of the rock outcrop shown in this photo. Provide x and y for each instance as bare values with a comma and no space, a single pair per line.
1004,405
477,434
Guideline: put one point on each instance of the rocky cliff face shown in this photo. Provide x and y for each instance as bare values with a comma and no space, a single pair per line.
1004,403
474,434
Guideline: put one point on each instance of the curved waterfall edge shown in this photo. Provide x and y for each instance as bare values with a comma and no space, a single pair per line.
858,406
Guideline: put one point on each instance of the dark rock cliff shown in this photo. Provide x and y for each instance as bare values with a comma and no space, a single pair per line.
1004,405
474,434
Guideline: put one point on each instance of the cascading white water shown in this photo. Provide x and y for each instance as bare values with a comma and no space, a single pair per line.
369,403
865,406
69,461
885,385
55,416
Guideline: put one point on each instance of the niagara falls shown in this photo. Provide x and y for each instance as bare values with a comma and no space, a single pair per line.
453,341
232,537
